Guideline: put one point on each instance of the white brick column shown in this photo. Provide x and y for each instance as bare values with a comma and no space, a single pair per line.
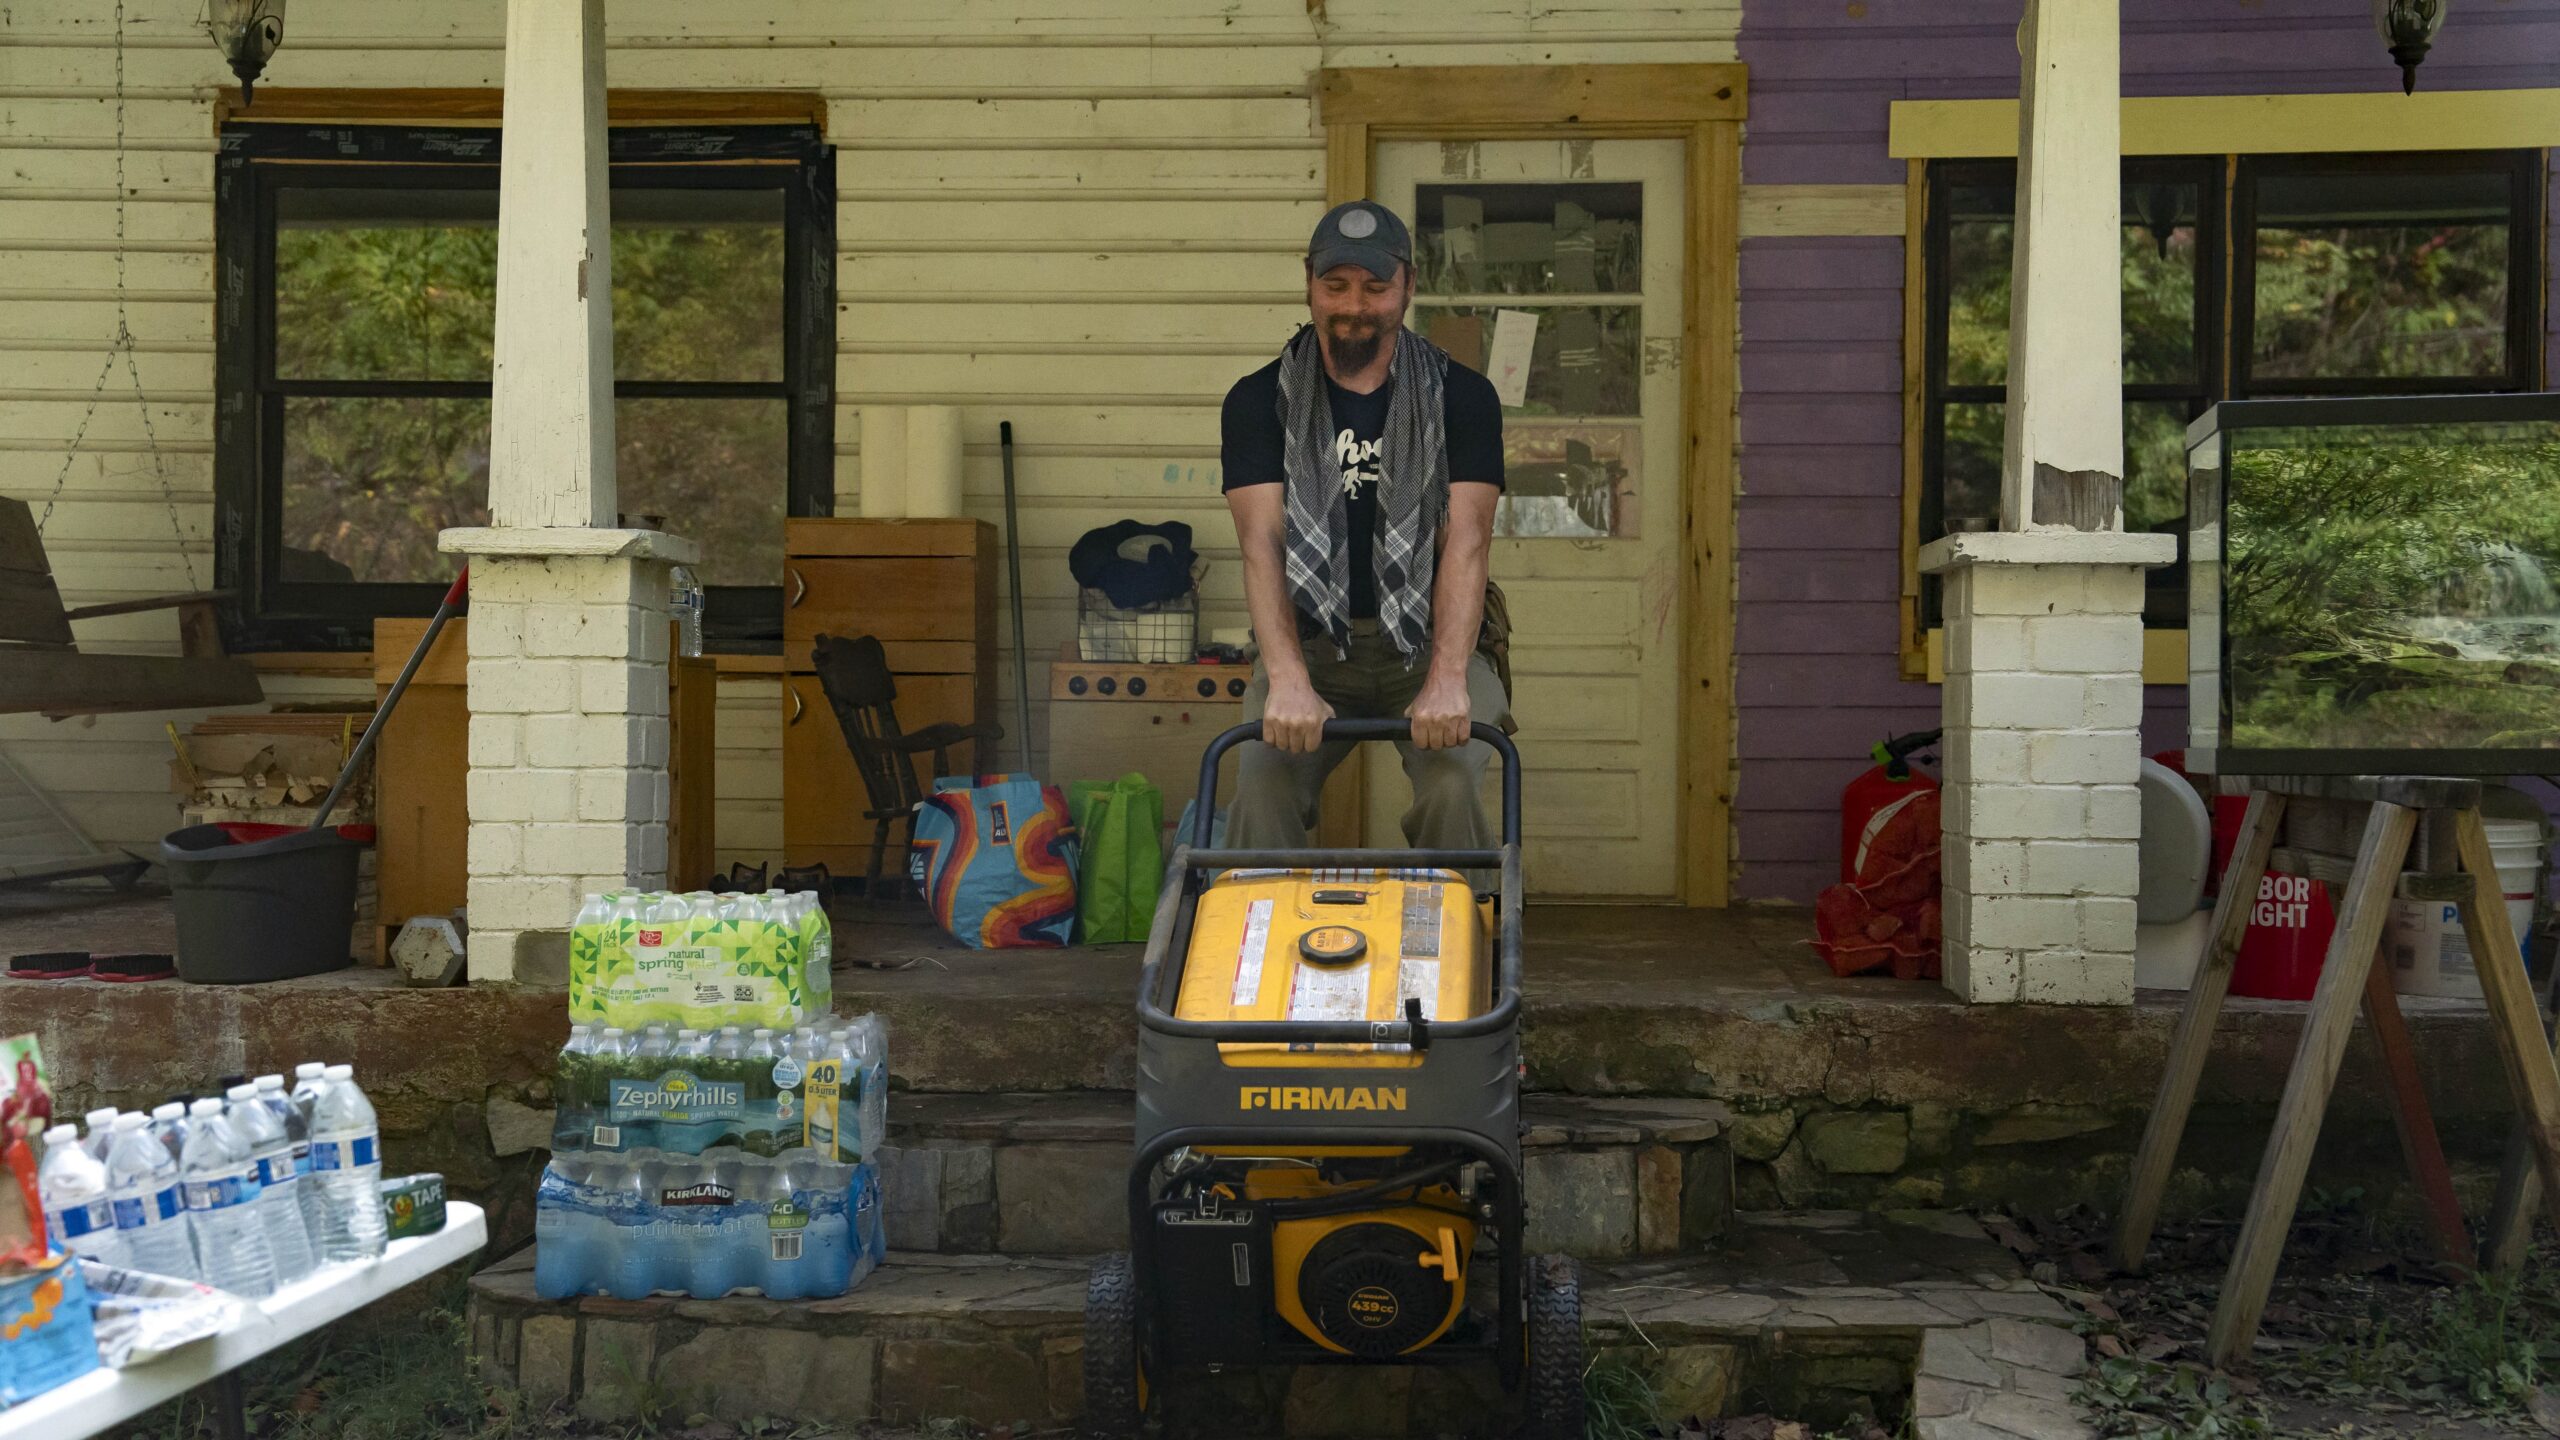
2043,706
568,698
2043,703
568,683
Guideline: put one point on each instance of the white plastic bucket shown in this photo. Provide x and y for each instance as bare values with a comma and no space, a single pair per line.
2425,945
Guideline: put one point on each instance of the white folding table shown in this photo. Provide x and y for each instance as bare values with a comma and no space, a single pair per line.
103,1399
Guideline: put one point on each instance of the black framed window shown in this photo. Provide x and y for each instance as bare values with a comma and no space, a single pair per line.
2402,274
354,363
2170,242
2387,274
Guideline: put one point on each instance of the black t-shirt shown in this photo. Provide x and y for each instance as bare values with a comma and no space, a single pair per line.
1251,450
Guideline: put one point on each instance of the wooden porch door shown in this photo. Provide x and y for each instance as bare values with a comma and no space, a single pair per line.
1556,267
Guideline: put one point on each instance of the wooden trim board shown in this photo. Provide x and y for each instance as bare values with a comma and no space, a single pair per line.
481,106
1533,95
2254,124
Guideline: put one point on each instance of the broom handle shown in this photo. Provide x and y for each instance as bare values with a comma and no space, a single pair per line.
382,712
1021,642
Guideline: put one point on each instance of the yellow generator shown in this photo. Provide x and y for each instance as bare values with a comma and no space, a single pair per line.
1328,1129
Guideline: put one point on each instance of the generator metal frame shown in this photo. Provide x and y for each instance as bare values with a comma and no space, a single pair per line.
1463,1095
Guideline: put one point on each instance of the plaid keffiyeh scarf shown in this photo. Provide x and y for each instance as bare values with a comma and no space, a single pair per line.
1413,492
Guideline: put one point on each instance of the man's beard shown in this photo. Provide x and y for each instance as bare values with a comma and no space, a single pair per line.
1350,353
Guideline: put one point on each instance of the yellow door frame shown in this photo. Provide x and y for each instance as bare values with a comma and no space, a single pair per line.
1703,107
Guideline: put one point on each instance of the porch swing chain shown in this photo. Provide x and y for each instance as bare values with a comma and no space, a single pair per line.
123,347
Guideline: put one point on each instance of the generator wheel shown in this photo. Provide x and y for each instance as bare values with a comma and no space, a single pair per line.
1114,1396
1554,1402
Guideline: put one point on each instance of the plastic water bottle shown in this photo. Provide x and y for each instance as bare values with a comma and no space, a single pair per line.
279,1192
684,603
73,1186
612,1059
572,1085
309,1079
637,1237
570,1252
169,1127
100,1128
346,1160
142,1184
818,949
221,1187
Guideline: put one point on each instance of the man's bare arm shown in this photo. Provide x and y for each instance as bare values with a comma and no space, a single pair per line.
1440,712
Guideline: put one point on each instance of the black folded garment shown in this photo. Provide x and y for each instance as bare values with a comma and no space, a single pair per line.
49,965
127,969
1118,561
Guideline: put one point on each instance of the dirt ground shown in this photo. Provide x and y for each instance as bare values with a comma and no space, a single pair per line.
2364,1336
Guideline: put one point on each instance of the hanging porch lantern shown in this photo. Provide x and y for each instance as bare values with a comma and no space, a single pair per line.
2408,27
247,32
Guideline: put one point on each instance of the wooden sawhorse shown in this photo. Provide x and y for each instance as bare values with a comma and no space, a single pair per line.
2395,807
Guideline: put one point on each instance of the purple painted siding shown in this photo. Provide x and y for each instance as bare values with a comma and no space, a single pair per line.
1821,418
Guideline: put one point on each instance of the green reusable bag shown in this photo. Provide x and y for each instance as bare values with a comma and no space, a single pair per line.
1121,825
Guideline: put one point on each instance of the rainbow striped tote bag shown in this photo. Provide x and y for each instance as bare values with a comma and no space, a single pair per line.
995,858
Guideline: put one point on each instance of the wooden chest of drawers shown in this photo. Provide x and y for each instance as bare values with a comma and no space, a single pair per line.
927,589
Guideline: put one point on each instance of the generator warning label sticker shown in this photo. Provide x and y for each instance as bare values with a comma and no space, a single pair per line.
1421,922
1257,938
1323,994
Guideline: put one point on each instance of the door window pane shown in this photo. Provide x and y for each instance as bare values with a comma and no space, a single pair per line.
697,285
2378,274
1571,481
718,471
370,481
1586,359
373,283
1582,238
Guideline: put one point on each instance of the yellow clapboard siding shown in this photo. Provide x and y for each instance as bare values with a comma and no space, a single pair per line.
162,371
93,322
1060,120
64,220
24,118
28,263
870,324
1195,425
1064,217
34,167
1159,378
56,421
994,275
1112,168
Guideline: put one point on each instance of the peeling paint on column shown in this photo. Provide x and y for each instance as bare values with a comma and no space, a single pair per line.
1577,160
1461,160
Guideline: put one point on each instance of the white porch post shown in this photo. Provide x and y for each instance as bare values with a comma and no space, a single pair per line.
568,627
2043,695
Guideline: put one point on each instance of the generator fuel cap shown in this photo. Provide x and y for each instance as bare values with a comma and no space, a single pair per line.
1333,945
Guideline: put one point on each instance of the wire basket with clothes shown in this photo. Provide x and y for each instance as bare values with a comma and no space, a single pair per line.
1138,593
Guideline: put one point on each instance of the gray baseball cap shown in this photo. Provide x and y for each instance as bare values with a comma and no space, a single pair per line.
1363,233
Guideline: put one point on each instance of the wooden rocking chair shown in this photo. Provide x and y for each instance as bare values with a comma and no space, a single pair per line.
43,672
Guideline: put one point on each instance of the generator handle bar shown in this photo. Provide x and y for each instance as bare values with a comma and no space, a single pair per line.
1385,728
1160,980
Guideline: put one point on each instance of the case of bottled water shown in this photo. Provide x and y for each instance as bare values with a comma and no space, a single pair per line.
700,961
704,1163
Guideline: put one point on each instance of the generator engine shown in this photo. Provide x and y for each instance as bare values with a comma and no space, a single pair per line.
1364,1256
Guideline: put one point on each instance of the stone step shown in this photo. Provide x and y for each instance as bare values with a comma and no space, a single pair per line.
1607,1179
1815,1315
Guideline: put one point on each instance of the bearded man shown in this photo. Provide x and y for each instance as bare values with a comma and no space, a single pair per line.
1362,468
